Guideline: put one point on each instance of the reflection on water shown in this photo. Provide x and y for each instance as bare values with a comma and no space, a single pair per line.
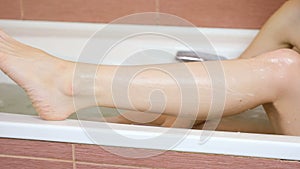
251,121
14,100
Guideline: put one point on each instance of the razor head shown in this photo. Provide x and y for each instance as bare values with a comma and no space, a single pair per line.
196,56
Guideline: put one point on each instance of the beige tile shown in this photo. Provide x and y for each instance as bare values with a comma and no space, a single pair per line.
36,149
10,9
84,11
221,13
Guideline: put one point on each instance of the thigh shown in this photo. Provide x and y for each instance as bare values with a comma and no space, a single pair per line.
280,31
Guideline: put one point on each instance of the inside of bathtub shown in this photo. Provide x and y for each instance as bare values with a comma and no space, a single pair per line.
18,119
14,100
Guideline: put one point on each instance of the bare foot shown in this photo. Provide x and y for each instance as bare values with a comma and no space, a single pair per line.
41,75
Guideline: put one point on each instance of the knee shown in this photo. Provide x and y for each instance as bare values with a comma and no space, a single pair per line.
287,60
285,53
285,64
286,56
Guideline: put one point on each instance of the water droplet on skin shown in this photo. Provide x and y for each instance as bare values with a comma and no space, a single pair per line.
288,61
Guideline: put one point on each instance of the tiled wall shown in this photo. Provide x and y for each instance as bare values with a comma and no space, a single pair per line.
28,154
206,13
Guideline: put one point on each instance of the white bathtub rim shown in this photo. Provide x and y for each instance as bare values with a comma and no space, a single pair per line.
228,143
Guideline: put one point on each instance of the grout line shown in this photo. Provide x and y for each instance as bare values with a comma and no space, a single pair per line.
157,12
112,165
22,9
35,158
156,5
73,156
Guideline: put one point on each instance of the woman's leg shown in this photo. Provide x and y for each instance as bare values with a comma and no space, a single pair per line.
280,31
270,78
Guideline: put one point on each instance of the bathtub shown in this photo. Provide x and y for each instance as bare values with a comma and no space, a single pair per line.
67,40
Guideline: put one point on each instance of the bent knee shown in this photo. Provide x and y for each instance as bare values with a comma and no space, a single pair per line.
285,57
285,61
285,66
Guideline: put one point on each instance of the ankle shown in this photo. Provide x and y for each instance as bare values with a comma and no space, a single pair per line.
65,80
